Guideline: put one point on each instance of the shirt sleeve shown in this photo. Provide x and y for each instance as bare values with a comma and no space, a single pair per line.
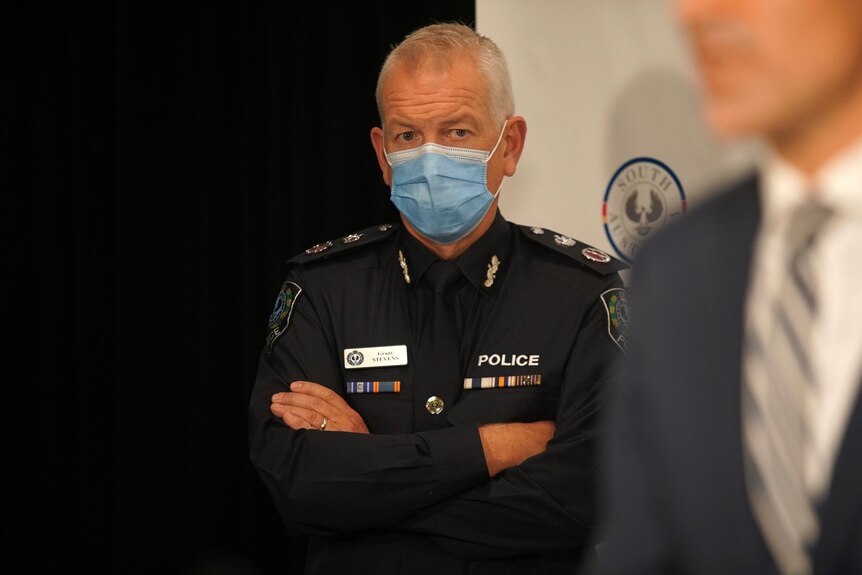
325,482
547,503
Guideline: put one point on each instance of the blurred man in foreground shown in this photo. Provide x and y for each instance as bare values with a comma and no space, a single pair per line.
736,438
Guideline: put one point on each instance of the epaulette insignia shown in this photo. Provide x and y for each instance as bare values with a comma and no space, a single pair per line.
589,256
617,310
281,312
345,244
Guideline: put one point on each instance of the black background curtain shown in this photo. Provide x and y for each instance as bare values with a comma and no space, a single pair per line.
160,163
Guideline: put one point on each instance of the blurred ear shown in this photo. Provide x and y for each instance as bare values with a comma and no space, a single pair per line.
513,144
377,142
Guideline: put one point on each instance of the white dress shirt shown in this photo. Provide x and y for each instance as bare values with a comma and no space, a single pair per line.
837,333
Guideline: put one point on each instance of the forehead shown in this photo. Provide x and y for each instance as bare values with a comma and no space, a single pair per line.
432,90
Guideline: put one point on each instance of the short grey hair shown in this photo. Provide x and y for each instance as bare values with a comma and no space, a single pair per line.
437,44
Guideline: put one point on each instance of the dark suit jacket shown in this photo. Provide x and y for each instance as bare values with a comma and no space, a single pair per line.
676,499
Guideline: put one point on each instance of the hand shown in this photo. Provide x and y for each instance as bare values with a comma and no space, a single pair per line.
307,405
509,444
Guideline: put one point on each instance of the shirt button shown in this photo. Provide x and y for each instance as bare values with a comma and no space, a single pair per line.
434,405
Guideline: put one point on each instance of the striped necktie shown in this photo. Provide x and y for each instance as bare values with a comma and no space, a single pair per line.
779,388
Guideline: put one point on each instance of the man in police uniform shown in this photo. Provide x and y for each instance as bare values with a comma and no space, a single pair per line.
427,398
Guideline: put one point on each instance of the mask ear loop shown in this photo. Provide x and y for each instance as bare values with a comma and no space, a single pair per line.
500,187
499,139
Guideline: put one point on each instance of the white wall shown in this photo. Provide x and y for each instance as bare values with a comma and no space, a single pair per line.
600,82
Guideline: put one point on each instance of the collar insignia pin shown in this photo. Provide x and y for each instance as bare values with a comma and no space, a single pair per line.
403,262
492,271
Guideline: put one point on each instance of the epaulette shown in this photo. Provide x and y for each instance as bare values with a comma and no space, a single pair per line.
345,244
585,254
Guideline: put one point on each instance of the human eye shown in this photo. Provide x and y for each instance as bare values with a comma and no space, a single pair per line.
408,137
459,133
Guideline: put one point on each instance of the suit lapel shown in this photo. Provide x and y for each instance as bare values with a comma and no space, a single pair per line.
841,510
734,262
759,558
708,363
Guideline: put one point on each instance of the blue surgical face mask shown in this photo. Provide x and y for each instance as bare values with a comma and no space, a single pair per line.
441,190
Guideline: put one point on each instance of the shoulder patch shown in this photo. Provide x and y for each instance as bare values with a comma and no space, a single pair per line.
345,244
617,310
589,256
281,312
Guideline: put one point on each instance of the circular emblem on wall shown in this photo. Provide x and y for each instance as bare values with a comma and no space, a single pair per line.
641,198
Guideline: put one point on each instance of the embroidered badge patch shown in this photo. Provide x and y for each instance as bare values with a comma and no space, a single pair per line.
280,317
617,309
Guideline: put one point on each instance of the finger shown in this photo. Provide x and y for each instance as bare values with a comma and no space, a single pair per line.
280,397
299,400
300,418
341,416
308,388
319,391
329,403
317,398
293,417
312,396
294,421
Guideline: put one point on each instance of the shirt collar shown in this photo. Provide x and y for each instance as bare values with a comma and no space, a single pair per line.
841,182
476,263
784,188
838,185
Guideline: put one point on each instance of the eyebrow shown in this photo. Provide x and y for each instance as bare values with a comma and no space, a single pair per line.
400,125
470,121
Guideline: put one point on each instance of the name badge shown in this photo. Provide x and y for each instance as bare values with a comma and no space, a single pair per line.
384,356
